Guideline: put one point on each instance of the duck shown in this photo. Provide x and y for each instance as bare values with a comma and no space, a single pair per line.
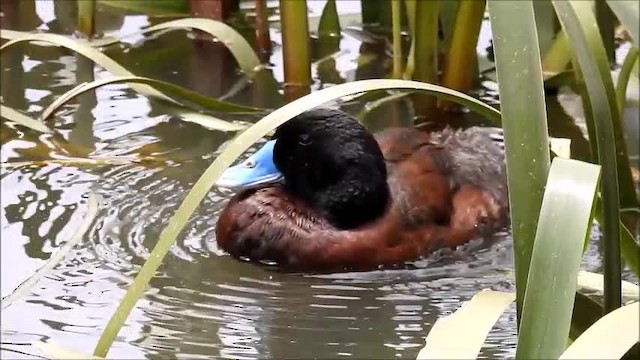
324,194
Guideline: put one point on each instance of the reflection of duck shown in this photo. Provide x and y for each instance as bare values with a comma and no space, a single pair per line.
345,199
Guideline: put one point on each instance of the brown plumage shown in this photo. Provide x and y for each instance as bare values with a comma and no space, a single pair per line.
444,189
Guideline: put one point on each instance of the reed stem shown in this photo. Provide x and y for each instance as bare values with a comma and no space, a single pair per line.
397,38
262,31
458,72
86,17
426,54
295,44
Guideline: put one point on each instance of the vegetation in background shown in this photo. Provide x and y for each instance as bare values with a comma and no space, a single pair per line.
552,203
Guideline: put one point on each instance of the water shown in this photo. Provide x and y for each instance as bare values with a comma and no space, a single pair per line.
202,304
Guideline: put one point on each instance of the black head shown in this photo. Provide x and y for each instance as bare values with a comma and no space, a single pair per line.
333,163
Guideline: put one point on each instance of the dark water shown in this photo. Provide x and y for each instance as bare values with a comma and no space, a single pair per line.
202,304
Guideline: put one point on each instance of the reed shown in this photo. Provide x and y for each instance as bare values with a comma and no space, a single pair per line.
86,17
295,48
425,43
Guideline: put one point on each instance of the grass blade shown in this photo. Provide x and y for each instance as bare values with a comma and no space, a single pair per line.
564,224
628,12
578,19
471,323
22,119
192,96
241,143
609,338
594,283
624,76
517,58
242,51
329,24
54,351
56,257
82,47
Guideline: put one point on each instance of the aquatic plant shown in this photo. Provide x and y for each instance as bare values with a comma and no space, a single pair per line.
553,203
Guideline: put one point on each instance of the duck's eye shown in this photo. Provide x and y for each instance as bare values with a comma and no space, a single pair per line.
250,164
304,140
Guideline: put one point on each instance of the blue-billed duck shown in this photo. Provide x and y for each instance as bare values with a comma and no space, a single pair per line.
326,195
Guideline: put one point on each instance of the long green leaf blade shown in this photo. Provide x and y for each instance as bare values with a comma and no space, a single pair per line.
524,121
577,19
191,96
22,119
241,143
609,338
82,47
471,324
564,224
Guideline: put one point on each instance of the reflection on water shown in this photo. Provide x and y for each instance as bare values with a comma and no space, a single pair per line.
202,303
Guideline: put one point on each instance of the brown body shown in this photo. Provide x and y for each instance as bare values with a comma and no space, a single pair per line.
436,201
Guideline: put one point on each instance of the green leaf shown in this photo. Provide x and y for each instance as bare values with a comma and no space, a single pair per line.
577,19
628,12
623,78
56,257
329,21
371,106
563,227
22,119
83,48
54,351
242,51
593,284
470,324
151,7
241,143
609,338
524,122
192,96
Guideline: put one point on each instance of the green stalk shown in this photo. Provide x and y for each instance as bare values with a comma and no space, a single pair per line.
86,17
397,38
426,53
558,56
623,77
524,120
545,24
577,20
295,44
458,74
605,19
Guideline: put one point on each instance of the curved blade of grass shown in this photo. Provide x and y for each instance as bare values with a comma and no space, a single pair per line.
82,47
241,143
578,19
369,107
22,119
594,283
624,76
191,96
236,43
329,24
609,338
471,324
151,7
55,351
210,122
58,256
523,108
564,224
628,12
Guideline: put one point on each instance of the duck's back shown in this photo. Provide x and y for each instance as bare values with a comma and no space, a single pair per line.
446,188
